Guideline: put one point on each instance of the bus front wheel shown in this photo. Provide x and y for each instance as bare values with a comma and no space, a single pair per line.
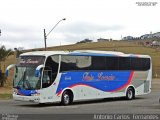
130,94
66,98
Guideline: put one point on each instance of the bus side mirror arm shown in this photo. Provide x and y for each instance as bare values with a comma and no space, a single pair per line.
38,72
9,67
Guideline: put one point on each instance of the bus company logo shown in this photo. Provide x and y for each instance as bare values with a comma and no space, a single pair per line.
105,77
68,78
87,76
99,76
29,61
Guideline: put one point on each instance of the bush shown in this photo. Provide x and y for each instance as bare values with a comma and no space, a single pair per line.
2,79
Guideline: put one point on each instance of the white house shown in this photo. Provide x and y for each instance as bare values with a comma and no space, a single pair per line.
157,35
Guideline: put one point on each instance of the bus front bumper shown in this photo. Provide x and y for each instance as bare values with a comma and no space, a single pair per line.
35,99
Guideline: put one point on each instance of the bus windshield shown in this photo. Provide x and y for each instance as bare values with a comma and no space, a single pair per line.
24,76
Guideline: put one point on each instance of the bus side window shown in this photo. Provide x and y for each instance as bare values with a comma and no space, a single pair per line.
50,71
47,79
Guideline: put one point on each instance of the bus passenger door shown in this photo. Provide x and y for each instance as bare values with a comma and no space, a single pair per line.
47,78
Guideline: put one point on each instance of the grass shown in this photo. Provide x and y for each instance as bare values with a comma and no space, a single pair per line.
6,91
5,96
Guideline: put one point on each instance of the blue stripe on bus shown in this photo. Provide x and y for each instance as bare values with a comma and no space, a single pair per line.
106,81
26,92
91,54
104,55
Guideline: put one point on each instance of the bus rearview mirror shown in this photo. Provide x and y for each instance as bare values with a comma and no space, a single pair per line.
38,70
9,67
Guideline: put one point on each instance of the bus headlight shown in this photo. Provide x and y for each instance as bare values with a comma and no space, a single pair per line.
15,91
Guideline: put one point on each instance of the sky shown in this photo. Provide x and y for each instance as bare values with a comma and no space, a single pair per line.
22,22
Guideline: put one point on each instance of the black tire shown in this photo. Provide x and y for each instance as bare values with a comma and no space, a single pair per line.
66,98
130,94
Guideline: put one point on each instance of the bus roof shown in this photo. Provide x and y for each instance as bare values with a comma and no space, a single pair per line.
44,53
83,52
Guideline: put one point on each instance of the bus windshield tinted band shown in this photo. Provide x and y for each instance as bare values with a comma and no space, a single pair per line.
30,60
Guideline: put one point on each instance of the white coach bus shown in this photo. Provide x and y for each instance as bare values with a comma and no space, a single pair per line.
58,76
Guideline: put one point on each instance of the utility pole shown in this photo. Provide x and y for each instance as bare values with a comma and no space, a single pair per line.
46,35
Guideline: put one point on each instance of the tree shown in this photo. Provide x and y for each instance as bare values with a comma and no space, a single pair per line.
4,53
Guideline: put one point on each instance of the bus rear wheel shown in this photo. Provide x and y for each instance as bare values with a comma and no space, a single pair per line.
66,98
130,94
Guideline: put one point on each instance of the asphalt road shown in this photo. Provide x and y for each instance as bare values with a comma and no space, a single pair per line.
146,104
143,105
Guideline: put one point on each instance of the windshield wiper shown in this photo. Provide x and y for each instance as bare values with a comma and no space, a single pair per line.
27,85
23,83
